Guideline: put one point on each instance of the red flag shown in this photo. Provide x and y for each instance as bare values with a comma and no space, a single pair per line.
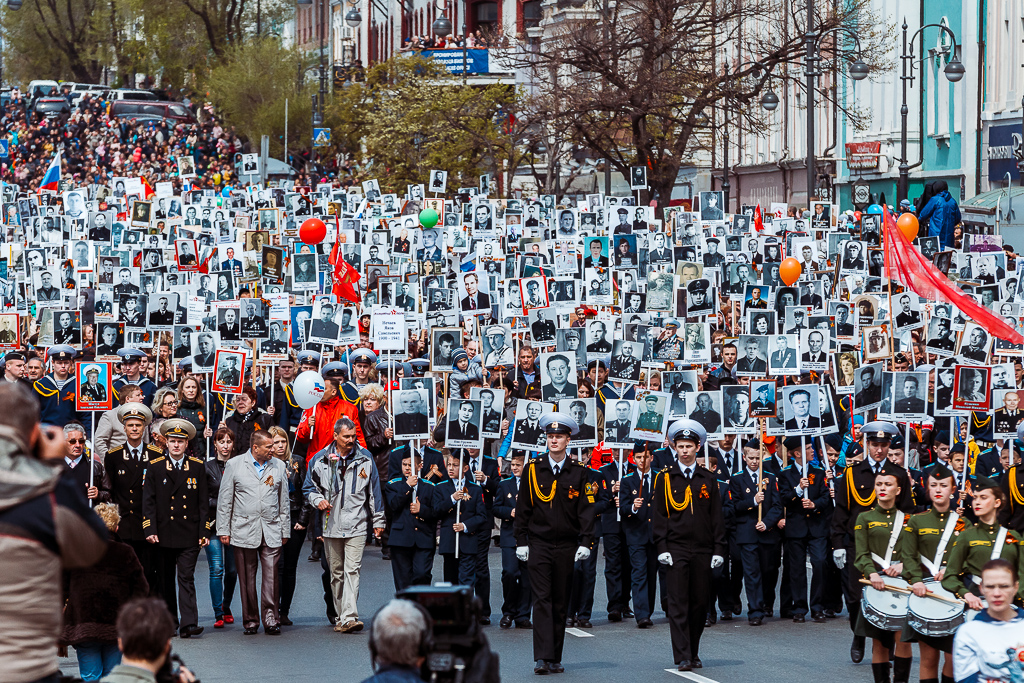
758,219
204,267
909,267
345,276
149,191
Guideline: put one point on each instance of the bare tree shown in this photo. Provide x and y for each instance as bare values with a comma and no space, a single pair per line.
639,86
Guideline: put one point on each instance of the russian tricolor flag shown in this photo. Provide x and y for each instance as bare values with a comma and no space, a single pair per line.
51,181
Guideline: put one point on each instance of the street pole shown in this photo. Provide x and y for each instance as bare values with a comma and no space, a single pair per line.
810,39
465,41
903,184
608,161
725,159
323,66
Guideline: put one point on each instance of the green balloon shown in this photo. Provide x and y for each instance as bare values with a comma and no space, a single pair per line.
428,218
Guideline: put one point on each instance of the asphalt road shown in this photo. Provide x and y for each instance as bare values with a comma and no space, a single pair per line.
311,652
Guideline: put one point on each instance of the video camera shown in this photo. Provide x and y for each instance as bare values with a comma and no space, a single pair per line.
457,649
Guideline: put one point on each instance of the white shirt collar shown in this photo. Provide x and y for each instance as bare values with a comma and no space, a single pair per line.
73,463
553,463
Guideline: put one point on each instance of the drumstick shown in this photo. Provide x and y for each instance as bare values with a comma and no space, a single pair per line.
897,589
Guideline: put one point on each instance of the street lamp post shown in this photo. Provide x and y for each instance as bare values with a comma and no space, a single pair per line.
858,71
769,102
442,26
954,72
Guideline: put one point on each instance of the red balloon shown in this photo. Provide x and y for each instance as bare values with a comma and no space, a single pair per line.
856,216
790,270
312,231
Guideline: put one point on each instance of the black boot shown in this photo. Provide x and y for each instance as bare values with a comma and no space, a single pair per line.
929,680
881,672
947,679
857,649
901,669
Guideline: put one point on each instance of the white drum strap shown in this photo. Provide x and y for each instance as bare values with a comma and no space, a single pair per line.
997,547
897,527
935,565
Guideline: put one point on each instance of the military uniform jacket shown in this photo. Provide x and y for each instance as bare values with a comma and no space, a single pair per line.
125,476
147,385
871,534
175,503
409,530
1012,484
56,406
637,524
610,522
855,493
504,504
471,513
801,522
743,491
554,509
973,549
492,476
287,411
921,541
687,518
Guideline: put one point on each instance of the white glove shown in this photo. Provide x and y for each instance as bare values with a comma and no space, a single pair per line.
717,561
665,558
523,553
839,557
582,553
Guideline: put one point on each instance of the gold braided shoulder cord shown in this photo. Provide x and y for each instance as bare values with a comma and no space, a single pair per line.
856,497
670,501
1015,493
535,487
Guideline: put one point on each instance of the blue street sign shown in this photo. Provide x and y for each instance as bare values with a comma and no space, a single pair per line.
4,151
321,137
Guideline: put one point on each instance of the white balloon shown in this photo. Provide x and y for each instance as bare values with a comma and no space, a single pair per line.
308,389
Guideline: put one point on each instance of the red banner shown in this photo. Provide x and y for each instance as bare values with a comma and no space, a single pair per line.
862,156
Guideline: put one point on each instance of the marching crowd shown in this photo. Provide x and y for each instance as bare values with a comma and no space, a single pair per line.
539,395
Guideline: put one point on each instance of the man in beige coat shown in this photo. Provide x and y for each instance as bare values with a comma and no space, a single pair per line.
254,516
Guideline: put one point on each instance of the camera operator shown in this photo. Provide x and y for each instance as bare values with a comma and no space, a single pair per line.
398,633
144,631
48,526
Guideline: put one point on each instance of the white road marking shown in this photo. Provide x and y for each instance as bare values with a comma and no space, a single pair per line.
579,633
692,676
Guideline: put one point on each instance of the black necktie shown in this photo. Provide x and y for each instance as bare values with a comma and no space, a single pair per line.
555,469
647,485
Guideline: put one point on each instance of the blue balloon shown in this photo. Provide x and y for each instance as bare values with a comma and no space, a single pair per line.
874,208
226,192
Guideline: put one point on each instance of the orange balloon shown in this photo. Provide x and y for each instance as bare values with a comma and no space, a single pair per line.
790,270
908,225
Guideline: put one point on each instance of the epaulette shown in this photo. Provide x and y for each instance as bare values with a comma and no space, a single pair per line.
511,476
349,393
155,449
156,460
489,457
42,390
395,479
197,460
427,481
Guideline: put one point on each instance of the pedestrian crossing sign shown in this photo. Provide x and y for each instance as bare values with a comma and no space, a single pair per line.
321,137
4,149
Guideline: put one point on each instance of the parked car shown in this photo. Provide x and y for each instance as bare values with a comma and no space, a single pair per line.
174,112
37,89
132,94
51,108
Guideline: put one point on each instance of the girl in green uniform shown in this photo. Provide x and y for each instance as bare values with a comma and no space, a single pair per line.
927,544
873,535
985,541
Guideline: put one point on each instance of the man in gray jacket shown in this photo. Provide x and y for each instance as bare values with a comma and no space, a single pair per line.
343,483
254,516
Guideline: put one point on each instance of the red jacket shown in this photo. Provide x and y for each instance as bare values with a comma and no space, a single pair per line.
323,426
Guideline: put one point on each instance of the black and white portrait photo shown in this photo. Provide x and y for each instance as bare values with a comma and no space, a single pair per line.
557,376
526,430
625,364
650,419
909,399
802,410
438,181
711,206
638,178
412,411
867,387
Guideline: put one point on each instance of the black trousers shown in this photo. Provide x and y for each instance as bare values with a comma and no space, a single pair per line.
177,583
688,582
411,566
852,589
150,561
797,552
515,586
482,570
584,581
644,565
550,568
833,584
461,570
771,560
287,565
616,571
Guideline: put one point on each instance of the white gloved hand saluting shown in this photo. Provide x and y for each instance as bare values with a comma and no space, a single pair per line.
582,553
717,561
665,558
523,553
839,557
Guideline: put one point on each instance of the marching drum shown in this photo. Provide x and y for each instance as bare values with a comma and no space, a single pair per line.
933,617
886,610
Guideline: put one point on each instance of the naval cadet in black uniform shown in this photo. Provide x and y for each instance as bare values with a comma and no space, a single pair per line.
175,518
412,528
554,527
689,536
515,578
854,494
125,471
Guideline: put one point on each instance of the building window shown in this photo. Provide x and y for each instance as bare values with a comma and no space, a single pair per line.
531,14
486,14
